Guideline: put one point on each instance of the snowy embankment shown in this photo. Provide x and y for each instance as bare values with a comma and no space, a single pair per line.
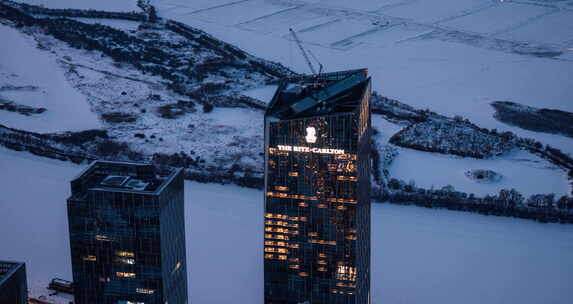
31,77
418,255
104,5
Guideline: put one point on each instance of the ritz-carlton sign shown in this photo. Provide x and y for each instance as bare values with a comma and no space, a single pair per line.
309,150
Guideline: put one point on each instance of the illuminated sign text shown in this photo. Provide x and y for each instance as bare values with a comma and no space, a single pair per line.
310,150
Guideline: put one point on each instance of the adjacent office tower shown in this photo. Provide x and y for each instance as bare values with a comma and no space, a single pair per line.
127,235
13,286
317,198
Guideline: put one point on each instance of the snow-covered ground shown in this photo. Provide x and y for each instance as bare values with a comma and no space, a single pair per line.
520,170
30,76
418,255
387,37
265,93
106,5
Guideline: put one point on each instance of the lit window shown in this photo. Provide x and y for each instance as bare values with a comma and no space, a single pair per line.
295,266
144,291
282,257
303,204
129,261
341,207
124,254
292,173
177,267
103,238
345,273
281,188
303,274
294,246
322,255
269,256
322,262
125,274
313,234
323,269
90,258
321,206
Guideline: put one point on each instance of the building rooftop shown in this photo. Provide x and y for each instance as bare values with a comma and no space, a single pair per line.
122,177
7,269
323,94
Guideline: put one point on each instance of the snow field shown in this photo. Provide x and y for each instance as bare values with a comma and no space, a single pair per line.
106,5
521,170
449,78
431,11
23,64
418,255
498,18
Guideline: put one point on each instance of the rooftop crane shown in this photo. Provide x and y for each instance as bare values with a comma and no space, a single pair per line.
304,54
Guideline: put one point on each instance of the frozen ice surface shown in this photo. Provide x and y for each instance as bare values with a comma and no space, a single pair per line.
418,255
23,64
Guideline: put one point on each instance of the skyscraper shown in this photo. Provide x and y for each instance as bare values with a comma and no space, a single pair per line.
317,198
13,285
127,235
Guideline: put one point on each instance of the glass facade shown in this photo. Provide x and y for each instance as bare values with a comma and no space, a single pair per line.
127,235
317,198
13,285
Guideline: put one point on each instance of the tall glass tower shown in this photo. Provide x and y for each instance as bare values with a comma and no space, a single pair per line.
13,285
127,235
317,198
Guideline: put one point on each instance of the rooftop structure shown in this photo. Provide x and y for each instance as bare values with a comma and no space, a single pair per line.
127,234
13,285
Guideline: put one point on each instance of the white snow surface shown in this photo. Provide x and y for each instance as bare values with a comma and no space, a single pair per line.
23,64
386,37
418,255
520,170
264,93
104,5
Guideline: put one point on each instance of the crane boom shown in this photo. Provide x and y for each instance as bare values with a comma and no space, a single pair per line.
303,52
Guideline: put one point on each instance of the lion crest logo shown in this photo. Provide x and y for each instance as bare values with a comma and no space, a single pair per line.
310,135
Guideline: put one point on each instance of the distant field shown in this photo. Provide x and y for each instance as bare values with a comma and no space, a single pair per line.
392,39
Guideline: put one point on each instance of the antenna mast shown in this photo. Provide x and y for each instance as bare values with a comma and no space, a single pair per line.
304,54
